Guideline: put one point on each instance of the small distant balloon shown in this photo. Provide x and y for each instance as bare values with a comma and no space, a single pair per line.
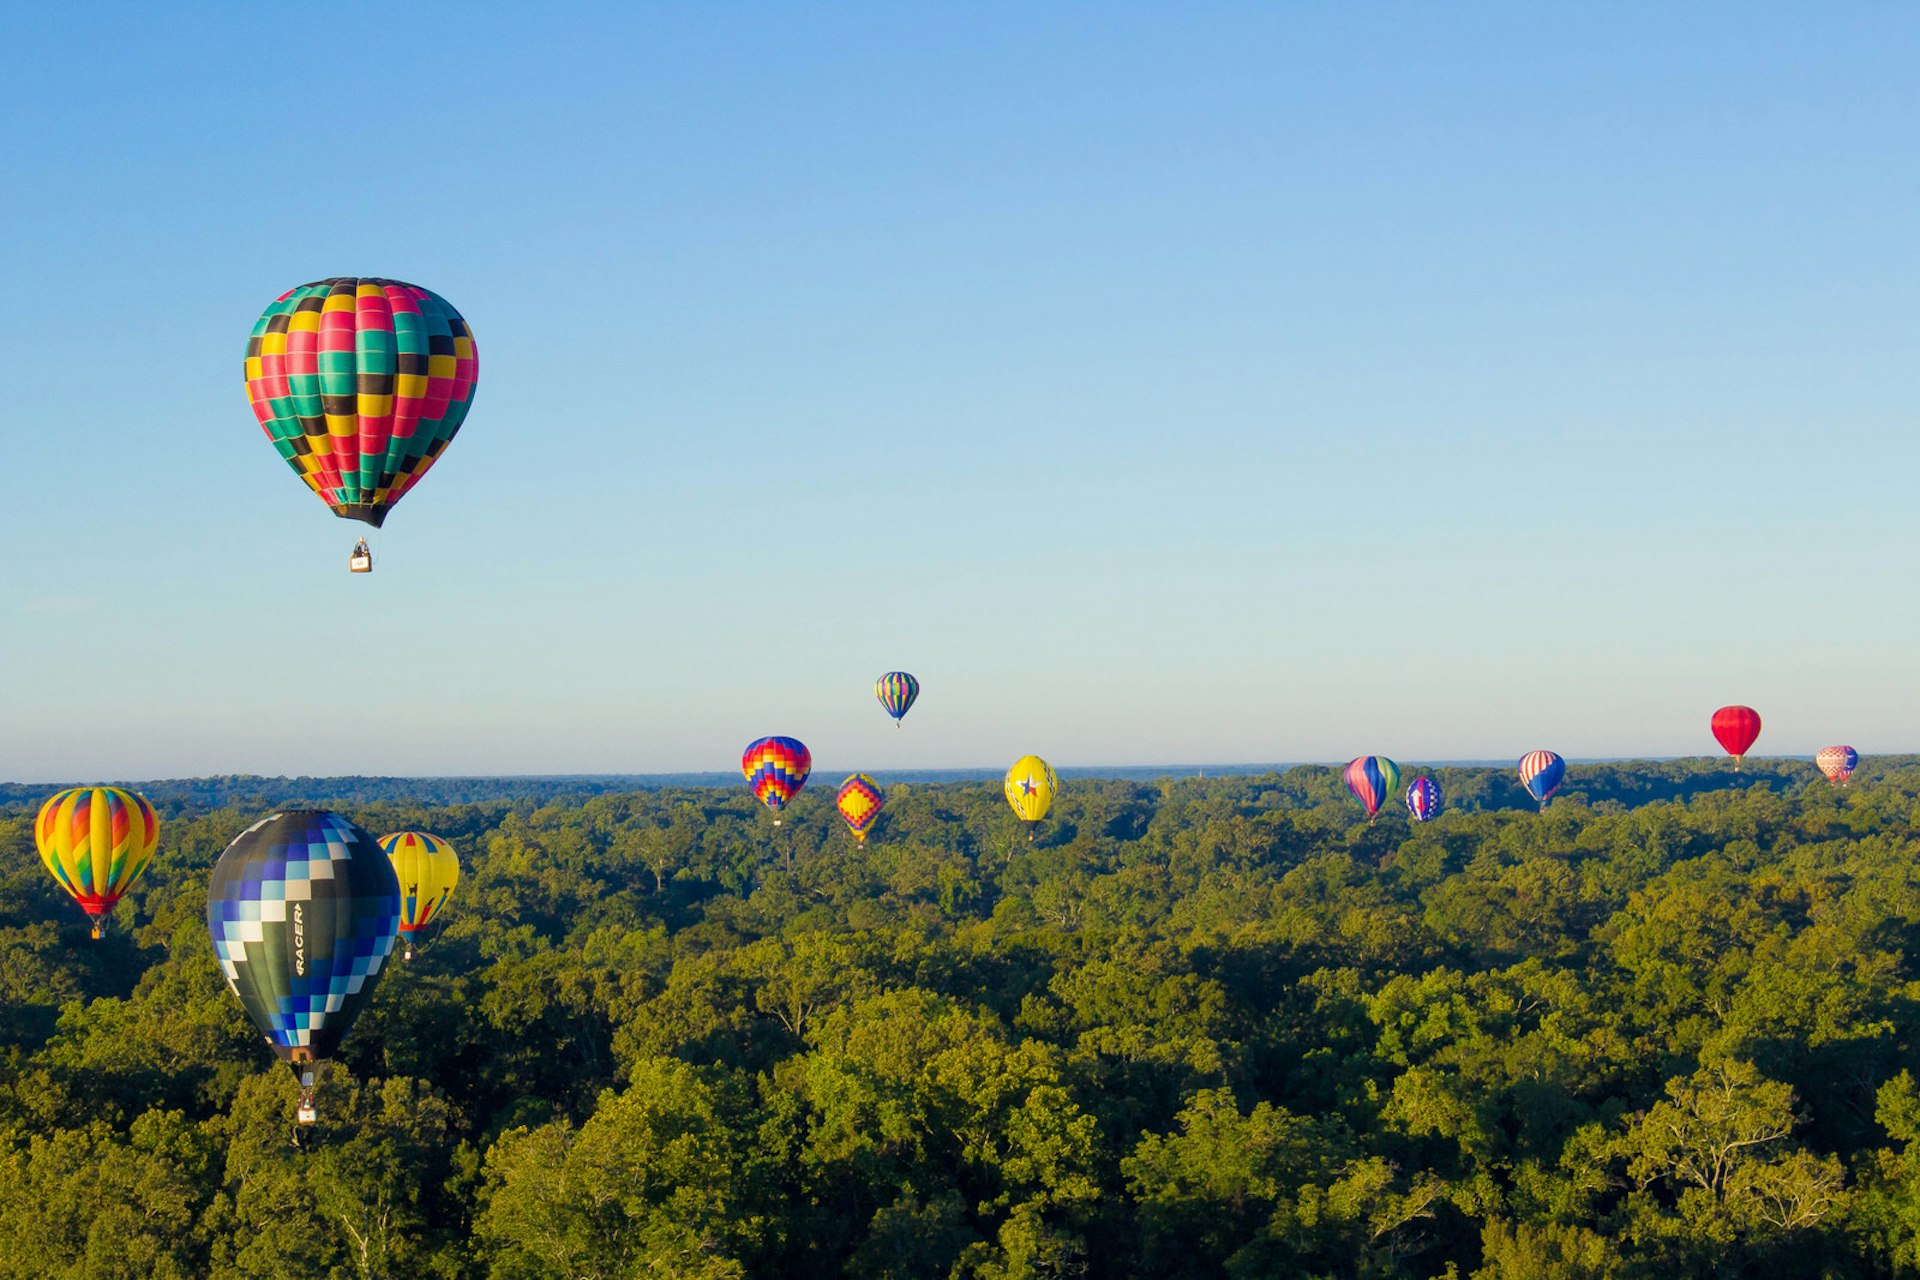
896,691
1541,773
775,770
1030,786
1372,779
1423,799
860,801
96,841
1838,763
428,870
1736,727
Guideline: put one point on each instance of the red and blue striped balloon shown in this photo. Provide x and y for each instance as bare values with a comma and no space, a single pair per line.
1372,779
896,691
776,769
1423,799
1540,774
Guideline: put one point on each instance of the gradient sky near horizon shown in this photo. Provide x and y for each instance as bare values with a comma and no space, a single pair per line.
1160,383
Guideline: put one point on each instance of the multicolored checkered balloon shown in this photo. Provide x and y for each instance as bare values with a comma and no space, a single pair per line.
96,841
860,801
303,910
361,384
775,770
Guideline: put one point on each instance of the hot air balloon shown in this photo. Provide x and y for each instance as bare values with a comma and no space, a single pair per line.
1838,763
427,870
304,909
1030,787
1736,728
96,841
1540,774
361,384
896,691
1423,799
1372,779
775,769
860,801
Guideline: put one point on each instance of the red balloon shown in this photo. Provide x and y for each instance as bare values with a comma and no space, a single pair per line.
1736,728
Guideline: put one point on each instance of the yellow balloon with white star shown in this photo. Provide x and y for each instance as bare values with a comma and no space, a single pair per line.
1030,788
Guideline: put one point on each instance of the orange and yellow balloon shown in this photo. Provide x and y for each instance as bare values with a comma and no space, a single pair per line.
427,870
96,841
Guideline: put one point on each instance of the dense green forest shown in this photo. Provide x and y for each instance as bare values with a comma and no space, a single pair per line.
1198,1027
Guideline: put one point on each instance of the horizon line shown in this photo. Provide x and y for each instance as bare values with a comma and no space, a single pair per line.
1239,769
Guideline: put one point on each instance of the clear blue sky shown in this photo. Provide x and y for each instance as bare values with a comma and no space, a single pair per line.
1158,382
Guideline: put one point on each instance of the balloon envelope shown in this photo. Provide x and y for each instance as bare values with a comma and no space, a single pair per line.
361,384
1030,786
303,910
1736,728
1372,779
1838,763
1423,799
427,870
96,841
896,691
1540,774
776,769
860,801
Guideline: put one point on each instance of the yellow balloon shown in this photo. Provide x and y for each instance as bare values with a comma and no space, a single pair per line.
96,841
427,870
1030,788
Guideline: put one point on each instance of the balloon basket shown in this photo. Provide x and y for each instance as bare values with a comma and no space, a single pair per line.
308,1071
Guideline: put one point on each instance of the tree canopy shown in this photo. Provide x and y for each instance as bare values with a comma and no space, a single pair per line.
1212,1027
